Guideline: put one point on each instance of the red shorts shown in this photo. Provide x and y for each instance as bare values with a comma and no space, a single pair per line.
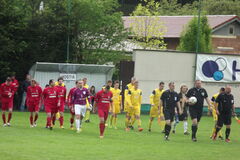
61,108
51,109
7,105
103,113
33,107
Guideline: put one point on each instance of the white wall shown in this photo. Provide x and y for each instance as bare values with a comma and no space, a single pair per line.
151,67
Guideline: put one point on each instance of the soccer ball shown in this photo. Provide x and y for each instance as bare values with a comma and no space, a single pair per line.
192,100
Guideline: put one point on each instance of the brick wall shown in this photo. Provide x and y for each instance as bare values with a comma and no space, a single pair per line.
224,44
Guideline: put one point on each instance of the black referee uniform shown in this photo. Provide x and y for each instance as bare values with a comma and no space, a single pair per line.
225,108
196,109
169,100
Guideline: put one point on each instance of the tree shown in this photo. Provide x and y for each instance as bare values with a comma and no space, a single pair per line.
189,36
148,31
29,34
164,7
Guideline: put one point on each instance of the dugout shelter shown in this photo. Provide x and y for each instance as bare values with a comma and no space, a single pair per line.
97,75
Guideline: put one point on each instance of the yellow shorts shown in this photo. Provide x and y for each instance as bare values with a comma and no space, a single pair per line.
214,114
154,111
134,111
126,107
116,108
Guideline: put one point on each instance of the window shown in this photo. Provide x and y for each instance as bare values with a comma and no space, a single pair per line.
231,30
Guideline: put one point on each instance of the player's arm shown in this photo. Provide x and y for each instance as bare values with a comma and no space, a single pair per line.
140,98
179,105
152,98
233,107
128,98
59,99
120,99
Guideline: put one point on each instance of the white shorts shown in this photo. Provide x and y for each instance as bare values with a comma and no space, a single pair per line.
80,109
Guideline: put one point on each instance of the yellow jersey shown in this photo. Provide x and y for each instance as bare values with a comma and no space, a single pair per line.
56,84
127,89
134,97
155,97
86,86
117,97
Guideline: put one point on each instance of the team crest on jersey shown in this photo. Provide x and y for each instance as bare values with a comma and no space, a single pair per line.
203,93
84,92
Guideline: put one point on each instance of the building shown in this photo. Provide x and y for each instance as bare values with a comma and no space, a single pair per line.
225,30
97,75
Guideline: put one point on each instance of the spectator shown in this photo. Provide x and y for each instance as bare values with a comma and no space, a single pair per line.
25,85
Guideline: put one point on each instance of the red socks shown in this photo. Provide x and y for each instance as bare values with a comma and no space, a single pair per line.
4,118
35,118
102,128
61,120
9,117
31,120
48,122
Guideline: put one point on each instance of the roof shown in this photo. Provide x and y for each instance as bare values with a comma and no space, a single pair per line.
71,68
175,24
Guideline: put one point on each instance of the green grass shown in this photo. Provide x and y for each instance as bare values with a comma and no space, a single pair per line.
24,143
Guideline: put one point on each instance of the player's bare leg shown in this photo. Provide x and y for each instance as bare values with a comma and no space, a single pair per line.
127,121
150,124
61,119
35,119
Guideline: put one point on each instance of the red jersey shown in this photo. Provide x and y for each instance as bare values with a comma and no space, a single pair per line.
70,94
15,84
34,95
6,92
62,91
50,96
103,99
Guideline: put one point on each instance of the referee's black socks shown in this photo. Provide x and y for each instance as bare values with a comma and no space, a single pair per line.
167,129
194,131
227,132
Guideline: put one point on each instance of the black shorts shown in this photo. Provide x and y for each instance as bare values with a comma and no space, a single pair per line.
195,113
168,115
225,119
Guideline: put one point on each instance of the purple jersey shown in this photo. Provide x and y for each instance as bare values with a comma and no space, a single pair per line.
80,96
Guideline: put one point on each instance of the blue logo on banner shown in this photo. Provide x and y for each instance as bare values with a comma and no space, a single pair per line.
211,69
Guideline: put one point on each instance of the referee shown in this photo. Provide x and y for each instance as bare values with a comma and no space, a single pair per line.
170,100
196,109
224,109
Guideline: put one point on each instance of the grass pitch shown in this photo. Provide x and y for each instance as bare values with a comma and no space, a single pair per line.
24,143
